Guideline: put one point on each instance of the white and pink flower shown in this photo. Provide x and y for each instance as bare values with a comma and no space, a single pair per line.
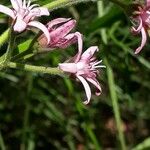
85,68
141,18
24,15
59,31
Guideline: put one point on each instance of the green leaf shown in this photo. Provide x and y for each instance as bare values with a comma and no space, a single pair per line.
145,145
4,37
24,46
113,15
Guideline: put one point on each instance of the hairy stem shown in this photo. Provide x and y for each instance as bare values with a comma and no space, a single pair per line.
37,69
25,131
2,144
10,47
62,3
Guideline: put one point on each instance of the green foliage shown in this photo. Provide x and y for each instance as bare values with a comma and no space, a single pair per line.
46,112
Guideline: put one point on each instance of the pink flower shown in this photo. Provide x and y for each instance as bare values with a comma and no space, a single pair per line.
85,68
24,14
59,30
142,19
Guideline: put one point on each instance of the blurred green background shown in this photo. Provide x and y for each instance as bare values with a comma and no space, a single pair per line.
45,112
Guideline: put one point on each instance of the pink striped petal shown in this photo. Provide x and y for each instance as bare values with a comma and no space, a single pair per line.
96,84
87,89
144,39
41,11
15,4
57,22
147,3
80,45
7,11
68,67
134,30
62,31
41,27
89,53
19,25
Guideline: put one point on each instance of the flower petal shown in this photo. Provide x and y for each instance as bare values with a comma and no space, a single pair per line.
15,4
80,45
60,33
144,39
19,25
57,22
134,30
147,3
68,67
87,89
89,53
7,11
40,11
41,27
44,11
96,84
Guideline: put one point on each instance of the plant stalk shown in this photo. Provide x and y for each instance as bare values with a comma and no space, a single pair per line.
62,3
115,105
36,69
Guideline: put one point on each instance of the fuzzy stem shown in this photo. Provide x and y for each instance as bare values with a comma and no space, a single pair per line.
4,37
37,69
2,144
10,48
62,3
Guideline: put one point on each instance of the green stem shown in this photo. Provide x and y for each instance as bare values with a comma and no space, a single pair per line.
4,37
7,55
115,105
2,145
37,69
62,3
24,144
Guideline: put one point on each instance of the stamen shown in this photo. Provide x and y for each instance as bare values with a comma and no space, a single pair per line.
29,2
33,6
98,62
24,4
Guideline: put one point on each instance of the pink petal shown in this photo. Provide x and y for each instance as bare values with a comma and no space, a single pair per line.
68,67
19,25
57,21
87,89
147,3
96,84
134,30
20,3
7,11
41,27
80,45
144,39
15,4
41,11
89,53
59,33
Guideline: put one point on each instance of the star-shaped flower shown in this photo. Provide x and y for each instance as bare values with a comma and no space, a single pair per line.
85,68
24,14
141,18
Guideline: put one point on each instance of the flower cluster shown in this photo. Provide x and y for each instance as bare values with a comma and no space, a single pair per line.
84,66
141,18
